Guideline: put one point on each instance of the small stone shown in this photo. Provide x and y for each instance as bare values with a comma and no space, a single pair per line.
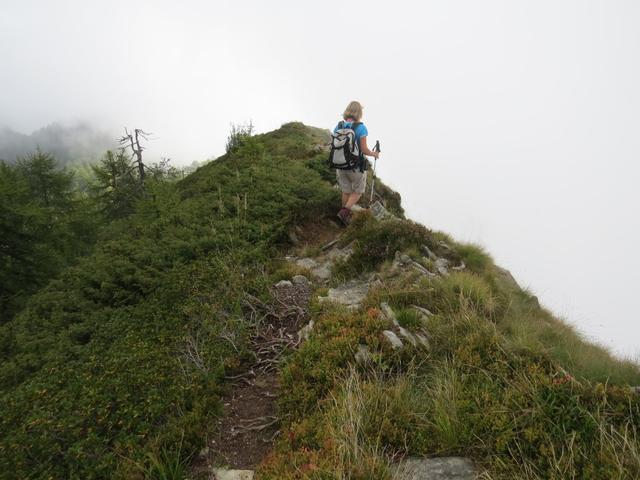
506,276
445,468
441,265
422,339
224,474
300,280
305,332
445,245
422,310
407,335
203,452
339,253
388,312
396,343
350,294
422,269
283,284
323,272
635,390
405,259
308,263
362,355
379,212
430,254
460,267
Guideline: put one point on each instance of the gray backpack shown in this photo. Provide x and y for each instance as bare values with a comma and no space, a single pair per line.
345,151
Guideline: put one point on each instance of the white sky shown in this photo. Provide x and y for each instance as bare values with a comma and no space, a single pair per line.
515,124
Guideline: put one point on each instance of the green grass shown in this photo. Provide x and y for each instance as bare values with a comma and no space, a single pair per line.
502,382
474,256
409,318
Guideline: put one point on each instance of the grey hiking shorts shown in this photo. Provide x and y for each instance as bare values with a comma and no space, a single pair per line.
351,181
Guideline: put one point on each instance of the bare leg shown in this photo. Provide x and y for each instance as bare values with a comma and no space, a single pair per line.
345,197
352,199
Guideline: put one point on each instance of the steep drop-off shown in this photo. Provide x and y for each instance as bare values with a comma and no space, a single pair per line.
129,364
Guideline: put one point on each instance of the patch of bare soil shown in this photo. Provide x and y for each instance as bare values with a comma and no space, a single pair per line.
250,424
317,233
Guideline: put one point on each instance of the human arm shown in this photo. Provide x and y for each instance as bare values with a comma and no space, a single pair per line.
364,148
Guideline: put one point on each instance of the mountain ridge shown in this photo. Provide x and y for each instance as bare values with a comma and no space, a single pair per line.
120,367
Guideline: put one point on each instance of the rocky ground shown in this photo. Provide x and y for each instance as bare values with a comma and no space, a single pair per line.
250,424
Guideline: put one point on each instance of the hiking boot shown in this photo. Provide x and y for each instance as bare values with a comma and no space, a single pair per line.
345,216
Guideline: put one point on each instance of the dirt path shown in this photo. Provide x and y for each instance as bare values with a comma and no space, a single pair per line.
246,431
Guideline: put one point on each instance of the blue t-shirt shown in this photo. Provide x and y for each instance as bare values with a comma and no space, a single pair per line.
360,131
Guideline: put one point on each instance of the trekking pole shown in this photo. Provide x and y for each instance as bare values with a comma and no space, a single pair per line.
373,176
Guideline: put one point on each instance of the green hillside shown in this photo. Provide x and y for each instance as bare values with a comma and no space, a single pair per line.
117,368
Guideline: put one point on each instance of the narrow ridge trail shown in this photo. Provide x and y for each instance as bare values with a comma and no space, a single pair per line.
249,426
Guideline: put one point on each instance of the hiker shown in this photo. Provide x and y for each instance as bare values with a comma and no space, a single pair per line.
352,176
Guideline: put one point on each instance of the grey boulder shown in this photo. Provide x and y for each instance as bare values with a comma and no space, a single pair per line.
445,468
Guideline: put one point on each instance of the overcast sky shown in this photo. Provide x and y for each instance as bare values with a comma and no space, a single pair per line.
514,124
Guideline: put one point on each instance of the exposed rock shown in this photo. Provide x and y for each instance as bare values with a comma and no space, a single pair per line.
308,263
401,260
413,339
396,343
430,254
635,390
339,253
407,335
323,272
388,312
422,310
362,355
305,332
445,245
535,301
422,339
300,280
445,468
462,266
441,265
422,269
320,271
224,474
349,294
283,284
379,211
506,276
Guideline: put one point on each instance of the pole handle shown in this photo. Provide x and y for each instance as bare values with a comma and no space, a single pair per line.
377,146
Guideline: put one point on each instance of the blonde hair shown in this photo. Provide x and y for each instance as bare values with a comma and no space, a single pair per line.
353,110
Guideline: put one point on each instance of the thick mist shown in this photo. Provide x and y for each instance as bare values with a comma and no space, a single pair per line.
74,143
510,124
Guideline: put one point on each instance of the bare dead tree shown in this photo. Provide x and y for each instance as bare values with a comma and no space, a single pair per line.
132,141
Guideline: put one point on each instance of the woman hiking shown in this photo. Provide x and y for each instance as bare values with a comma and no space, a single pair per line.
353,182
